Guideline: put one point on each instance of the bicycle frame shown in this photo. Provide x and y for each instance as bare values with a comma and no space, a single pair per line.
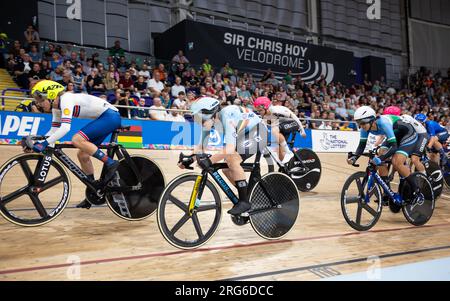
112,149
213,171
290,142
374,176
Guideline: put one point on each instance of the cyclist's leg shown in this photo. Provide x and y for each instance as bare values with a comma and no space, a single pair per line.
442,138
436,149
86,164
287,126
418,153
406,147
280,141
247,145
236,175
383,170
90,136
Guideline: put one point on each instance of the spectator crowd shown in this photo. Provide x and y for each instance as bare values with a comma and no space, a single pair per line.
177,84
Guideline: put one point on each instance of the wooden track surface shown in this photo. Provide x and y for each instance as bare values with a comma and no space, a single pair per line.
320,245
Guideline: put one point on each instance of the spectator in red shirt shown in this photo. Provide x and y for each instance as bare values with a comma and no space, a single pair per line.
126,83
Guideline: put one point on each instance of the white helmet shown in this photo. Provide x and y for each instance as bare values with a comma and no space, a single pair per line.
365,114
207,106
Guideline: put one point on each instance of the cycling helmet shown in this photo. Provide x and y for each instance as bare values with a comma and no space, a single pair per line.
47,89
420,117
365,114
206,106
392,110
262,102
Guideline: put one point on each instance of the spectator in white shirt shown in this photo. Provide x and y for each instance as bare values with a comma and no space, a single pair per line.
180,102
157,114
155,85
178,87
175,116
341,110
144,72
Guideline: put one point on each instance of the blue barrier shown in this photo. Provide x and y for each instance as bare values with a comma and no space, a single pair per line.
150,134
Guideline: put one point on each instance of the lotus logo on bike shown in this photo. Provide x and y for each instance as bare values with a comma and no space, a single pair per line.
21,126
45,168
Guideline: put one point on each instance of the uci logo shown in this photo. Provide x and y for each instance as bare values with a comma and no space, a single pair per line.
214,138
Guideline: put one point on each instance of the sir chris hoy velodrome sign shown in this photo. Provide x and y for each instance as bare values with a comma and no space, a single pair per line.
253,52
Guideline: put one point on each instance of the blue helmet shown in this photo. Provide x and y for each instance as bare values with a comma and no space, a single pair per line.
420,117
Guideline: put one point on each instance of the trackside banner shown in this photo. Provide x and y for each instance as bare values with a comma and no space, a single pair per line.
149,134
253,52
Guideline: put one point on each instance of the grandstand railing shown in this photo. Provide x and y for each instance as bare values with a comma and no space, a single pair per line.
12,97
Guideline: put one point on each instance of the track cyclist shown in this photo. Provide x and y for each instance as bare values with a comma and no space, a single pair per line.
419,151
401,140
243,131
438,136
281,129
65,107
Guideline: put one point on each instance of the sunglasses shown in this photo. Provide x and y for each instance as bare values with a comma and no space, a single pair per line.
362,123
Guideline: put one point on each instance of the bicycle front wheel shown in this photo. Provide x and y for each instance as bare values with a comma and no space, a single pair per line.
359,214
306,181
184,227
25,204
275,206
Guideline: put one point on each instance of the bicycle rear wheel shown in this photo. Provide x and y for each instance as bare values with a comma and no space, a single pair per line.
418,213
140,204
275,206
358,214
306,181
180,227
23,203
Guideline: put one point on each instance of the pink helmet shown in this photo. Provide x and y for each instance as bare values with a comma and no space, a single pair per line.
392,110
262,101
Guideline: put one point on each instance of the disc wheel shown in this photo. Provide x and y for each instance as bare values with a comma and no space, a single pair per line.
142,203
274,206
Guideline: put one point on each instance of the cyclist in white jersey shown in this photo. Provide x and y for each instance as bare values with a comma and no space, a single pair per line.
281,128
66,106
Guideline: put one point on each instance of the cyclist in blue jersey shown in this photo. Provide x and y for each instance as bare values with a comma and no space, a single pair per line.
438,136
244,135
400,143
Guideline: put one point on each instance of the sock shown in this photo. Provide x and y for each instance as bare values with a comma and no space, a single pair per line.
91,177
103,157
242,190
